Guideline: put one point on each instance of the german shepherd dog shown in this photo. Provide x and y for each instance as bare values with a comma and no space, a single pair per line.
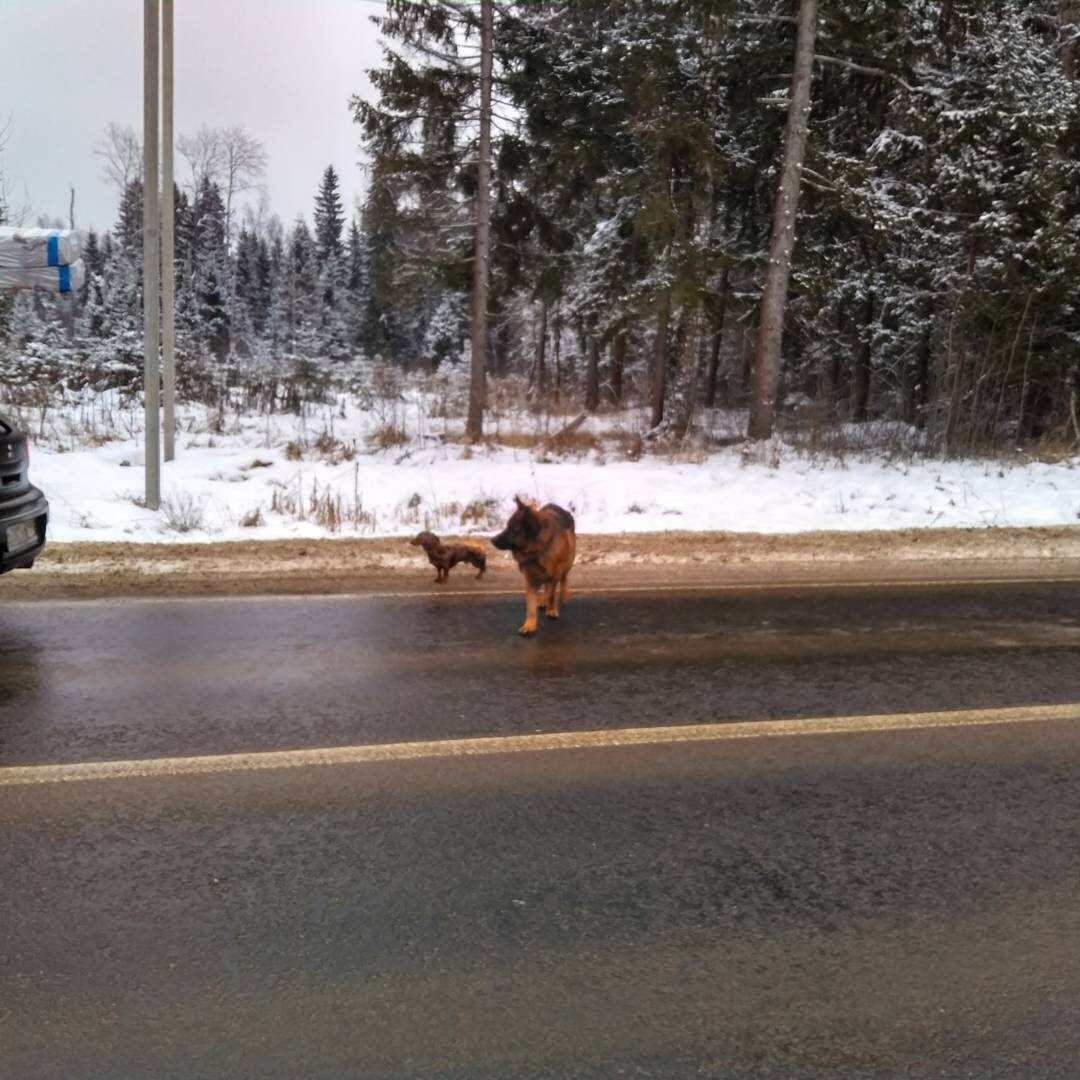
444,557
543,543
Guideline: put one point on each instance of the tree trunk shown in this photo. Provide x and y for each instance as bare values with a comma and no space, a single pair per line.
1069,21
557,332
782,240
660,358
746,360
618,362
501,345
860,382
691,382
713,370
474,425
918,396
592,374
540,372
830,378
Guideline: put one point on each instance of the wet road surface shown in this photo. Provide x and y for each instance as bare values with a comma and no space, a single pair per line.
127,679
874,903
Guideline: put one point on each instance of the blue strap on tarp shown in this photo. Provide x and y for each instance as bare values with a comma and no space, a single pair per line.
53,245
65,273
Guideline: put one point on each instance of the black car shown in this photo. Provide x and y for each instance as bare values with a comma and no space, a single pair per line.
24,512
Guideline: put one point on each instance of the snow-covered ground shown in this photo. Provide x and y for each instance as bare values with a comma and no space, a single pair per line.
248,477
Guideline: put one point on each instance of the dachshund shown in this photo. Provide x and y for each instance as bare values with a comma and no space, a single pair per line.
446,556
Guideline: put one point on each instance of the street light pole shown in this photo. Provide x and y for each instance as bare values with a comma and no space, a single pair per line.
168,285
151,253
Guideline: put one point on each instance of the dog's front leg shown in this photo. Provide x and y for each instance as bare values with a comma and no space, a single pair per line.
552,603
532,597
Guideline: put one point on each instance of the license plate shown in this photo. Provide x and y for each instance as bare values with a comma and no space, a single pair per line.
22,534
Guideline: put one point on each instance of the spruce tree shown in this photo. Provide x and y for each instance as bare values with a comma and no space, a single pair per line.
329,217
211,270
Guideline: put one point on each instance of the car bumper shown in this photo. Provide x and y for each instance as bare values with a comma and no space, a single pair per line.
31,507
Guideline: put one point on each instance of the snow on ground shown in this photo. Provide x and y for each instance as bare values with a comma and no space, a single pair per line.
249,477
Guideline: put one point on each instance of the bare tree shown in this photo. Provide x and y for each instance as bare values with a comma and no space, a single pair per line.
592,372
204,154
120,148
259,219
228,157
10,213
3,182
243,164
782,240
474,425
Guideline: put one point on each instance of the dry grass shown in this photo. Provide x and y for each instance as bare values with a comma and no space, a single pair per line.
327,508
1054,449
183,512
569,444
574,443
331,449
627,445
388,434
485,513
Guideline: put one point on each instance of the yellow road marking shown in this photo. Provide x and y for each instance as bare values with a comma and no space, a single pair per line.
516,744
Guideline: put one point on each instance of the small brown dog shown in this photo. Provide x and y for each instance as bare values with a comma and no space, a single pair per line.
446,556
543,543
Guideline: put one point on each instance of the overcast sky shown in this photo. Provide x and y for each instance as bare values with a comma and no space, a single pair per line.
282,69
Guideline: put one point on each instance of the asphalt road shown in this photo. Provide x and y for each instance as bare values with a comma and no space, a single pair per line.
867,903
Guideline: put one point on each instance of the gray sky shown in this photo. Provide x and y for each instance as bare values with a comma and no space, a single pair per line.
282,69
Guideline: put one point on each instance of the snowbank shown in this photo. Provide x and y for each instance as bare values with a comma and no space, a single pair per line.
281,477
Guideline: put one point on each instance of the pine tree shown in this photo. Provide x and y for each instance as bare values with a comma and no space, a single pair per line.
425,148
211,270
247,312
115,349
329,217
357,284
380,303
129,224
623,143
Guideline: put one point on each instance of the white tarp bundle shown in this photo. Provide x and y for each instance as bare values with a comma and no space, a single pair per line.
57,279
32,248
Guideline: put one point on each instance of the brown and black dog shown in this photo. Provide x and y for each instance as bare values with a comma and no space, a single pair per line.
446,556
543,543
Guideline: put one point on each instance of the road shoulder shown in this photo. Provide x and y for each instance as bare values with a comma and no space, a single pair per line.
625,561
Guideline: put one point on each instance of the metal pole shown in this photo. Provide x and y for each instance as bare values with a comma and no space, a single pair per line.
168,284
151,252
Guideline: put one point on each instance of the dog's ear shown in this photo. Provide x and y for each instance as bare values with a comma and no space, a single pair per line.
526,507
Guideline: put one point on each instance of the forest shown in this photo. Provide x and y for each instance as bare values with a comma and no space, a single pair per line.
629,199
